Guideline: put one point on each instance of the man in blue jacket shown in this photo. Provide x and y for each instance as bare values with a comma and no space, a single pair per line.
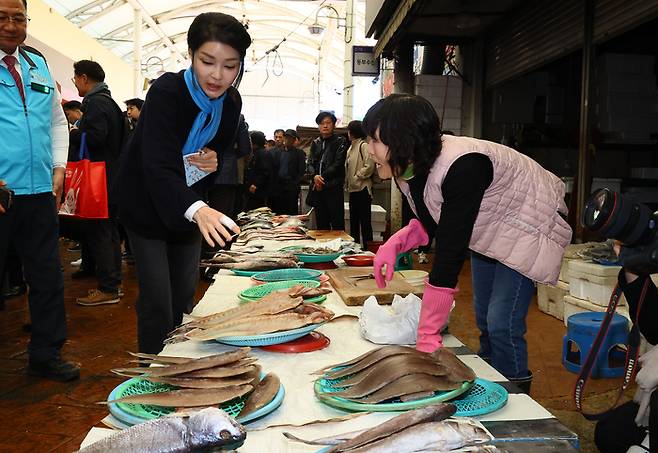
34,143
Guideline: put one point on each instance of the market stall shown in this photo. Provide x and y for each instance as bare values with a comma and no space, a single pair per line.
519,419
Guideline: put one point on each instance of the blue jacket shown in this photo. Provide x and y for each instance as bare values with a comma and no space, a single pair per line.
26,159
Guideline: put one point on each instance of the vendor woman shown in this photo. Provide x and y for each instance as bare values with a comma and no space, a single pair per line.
477,195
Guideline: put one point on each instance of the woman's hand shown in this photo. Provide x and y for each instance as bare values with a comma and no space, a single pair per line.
213,226
204,160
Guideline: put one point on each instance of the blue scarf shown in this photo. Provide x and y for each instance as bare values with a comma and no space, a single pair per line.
201,133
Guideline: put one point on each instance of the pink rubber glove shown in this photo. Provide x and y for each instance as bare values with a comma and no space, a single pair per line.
434,313
407,238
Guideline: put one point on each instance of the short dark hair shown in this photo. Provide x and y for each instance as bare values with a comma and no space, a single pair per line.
91,69
276,131
135,102
72,105
257,138
325,114
355,128
411,129
219,27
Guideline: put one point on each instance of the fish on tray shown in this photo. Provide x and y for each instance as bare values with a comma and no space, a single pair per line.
397,372
264,392
209,429
186,397
307,292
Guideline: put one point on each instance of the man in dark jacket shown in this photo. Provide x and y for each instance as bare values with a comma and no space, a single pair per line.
290,163
103,124
259,172
326,166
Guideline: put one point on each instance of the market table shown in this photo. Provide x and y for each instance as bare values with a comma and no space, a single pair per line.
521,420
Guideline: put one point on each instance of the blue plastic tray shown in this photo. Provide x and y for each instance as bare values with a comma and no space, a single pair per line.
278,275
483,398
268,338
123,412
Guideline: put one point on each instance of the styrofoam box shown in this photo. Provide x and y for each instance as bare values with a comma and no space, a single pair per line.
564,270
377,213
550,299
573,305
592,282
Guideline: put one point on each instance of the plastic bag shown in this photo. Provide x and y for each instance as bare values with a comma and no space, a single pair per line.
394,324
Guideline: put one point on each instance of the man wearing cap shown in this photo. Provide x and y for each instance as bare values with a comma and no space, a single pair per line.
326,167
290,163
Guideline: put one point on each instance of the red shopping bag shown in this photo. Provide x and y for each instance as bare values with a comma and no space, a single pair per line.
85,187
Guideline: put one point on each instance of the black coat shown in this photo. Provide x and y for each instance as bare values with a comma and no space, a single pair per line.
327,159
294,171
153,193
103,122
260,172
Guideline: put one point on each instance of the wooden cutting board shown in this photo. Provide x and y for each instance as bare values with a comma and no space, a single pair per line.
355,292
328,235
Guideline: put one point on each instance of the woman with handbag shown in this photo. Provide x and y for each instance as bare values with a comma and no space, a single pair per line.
477,195
188,118
359,168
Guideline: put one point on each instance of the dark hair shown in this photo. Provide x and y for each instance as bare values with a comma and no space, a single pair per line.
411,129
135,102
325,114
355,128
72,105
91,69
271,142
276,131
219,27
257,138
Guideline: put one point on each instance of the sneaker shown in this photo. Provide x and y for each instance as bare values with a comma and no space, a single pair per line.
55,369
422,258
98,297
77,262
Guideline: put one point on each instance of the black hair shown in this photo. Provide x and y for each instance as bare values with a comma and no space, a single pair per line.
219,27
72,105
257,138
91,69
135,102
355,128
411,129
276,131
270,142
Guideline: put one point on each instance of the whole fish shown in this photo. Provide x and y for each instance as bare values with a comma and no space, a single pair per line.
442,436
186,397
391,368
209,429
363,361
199,364
433,413
409,384
203,383
264,392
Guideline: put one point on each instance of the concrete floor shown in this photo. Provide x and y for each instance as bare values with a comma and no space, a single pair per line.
37,415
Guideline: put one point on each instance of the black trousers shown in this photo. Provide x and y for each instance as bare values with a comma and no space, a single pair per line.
167,276
360,217
31,225
255,201
102,240
330,209
286,202
617,432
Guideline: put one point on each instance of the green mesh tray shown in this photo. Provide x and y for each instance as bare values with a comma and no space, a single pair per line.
308,258
325,387
279,275
258,291
483,398
137,386
240,273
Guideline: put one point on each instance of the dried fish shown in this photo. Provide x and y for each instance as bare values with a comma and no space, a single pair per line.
221,372
459,372
264,392
199,364
386,372
160,359
415,396
186,397
434,413
368,358
209,429
375,359
442,436
203,383
408,384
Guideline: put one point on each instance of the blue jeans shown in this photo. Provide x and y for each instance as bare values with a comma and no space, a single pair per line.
501,297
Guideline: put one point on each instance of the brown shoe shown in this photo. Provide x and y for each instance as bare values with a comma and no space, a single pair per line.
98,297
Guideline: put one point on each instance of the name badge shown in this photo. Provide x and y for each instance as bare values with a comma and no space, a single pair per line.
39,83
40,88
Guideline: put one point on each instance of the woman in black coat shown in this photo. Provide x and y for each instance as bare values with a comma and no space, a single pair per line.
188,119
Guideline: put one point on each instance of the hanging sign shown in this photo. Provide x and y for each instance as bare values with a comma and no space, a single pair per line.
364,62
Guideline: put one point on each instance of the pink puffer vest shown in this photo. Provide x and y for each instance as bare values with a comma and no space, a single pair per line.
518,223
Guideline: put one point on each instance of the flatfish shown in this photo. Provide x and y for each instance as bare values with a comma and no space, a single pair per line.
407,385
187,397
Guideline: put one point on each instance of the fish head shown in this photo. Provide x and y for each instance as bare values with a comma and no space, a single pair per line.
212,428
